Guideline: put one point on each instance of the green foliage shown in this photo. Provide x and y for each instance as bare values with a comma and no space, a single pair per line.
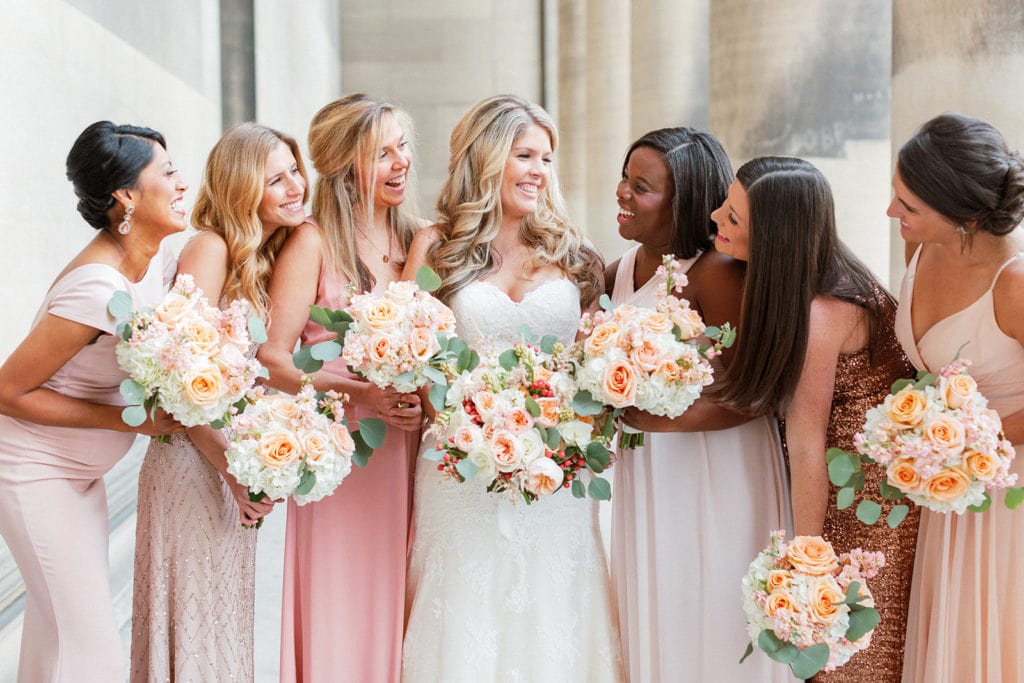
508,359
746,653
120,305
896,515
584,404
306,483
438,394
862,620
133,392
531,406
1014,497
362,453
983,505
467,468
372,431
844,498
599,489
435,375
868,511
134,416
605,302
257,329
578,490
899,385
889,492
841,466
325,351
810,660
303,360
427,279
776,648
552,438
547,343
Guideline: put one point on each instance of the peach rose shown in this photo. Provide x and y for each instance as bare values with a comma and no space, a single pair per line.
505,451
778,579
485,402
812,555
981,466
205,386
278,448
518,421
468,438
947,485
906,409
689,322
423,344
402,291
379,348
201,335
541,374
902,475
946,433
624,312
657,323
341,438
601,338
825,599
619,383
315,444
543,477
172,309
382,314
647,356
670,370
284,409
957,390
549,411
779,600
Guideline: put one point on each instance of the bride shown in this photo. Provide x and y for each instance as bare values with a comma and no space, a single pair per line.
498,590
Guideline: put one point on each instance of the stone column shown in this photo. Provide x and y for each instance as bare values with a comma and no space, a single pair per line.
811,80
237,62
954,56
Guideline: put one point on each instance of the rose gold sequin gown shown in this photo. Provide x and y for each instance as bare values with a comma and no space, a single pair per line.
967,605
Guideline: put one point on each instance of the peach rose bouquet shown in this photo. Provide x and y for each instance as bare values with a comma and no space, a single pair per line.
186,356
298,446
648,359
402,337
807,607
508,421
940,445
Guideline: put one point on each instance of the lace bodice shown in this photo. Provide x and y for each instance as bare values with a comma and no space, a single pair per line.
486,315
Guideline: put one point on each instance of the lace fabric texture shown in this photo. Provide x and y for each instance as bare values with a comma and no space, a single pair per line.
499,590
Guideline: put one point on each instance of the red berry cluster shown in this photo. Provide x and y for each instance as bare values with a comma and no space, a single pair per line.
540,389
571,463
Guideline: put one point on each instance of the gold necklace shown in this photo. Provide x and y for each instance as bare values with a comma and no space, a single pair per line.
385,256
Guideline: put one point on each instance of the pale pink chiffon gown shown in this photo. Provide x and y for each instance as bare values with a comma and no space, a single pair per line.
966,620
345,557
53,504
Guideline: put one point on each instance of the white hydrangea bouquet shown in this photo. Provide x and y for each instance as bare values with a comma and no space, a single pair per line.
508,419
940,444
648,359
808,608
298,446
402,337
186,356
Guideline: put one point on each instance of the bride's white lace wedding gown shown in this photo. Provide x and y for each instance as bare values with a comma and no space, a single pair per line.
502,591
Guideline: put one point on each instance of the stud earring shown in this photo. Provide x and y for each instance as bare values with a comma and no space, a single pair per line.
961,229
125,226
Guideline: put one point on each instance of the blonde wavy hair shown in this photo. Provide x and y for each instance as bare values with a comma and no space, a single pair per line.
345,138
469,207
228,203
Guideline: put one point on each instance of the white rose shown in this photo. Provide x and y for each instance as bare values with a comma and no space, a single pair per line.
576,433
532,446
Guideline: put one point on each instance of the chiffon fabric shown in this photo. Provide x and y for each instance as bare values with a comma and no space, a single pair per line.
53,504
967,602
690,511
345,555
498,590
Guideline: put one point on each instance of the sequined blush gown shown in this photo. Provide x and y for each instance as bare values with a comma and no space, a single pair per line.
499,591
690,511
966,620
861,384
53,504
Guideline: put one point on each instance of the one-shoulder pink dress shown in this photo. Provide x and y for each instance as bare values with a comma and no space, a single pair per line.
966,620
345,556
53,505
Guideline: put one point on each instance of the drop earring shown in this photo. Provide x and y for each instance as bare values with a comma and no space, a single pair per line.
125,226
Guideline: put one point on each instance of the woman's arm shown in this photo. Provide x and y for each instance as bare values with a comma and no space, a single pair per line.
1008,304
293,288
419,251
51,344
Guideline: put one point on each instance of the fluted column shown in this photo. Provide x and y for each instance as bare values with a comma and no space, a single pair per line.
955,56
811,80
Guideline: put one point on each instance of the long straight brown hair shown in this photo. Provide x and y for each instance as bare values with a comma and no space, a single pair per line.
795,255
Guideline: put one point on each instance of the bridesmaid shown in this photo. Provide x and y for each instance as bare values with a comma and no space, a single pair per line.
958,194
667,516
816,347
194,561
344,575
60,408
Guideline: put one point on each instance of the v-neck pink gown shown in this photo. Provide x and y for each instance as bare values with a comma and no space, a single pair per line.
966,620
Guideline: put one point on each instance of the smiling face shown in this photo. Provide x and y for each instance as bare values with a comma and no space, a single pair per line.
644,196
283,190
918,221
391,166
526,173
732,219
158,196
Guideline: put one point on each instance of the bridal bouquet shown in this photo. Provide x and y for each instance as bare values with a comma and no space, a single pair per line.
186,355
297,446
402,337
648,359
940,444
808,608
509,420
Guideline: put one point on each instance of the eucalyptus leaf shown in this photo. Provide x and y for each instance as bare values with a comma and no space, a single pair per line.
133,416
325,351
372,431
263,372
362,454
434,454
466,468
307,483
531,406
303,360
869,511
712,331
438,394
861,622
746,653
578,490
1014,497
896,515
599,489
584,404
435,375
120,305
526,333
899,384
595,466
810,660
605,302
598,452
985,504
547,343
889,492
844,498
427,279
776,648
833,453
553,439
219,423
257,329
256,496
133,392
508,359
924,379
842,467
852,593
455,345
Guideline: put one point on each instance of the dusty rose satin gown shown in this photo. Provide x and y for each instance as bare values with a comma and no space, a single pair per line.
345,557
966,621
53,504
